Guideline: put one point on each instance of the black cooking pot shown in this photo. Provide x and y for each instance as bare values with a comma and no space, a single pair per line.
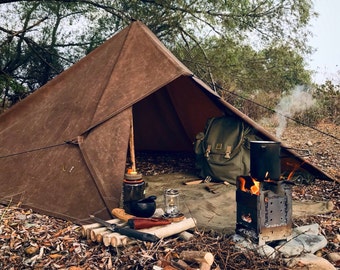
144,207
265,160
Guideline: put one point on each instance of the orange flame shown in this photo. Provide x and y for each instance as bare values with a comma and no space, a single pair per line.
296,166
254,189
131,171
242,183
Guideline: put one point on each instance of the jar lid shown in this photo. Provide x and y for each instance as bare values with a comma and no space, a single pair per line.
171,191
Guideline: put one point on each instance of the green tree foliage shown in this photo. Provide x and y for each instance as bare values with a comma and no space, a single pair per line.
241,45
327,108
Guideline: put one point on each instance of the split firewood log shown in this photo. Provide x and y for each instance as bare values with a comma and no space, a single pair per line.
171,229
86,228
95,232
119,240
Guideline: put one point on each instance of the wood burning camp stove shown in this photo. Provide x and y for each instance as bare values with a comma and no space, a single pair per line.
264,199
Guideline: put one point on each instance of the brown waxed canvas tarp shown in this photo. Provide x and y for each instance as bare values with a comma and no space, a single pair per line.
63,148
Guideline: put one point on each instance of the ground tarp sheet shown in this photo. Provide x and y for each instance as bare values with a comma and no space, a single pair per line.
212,211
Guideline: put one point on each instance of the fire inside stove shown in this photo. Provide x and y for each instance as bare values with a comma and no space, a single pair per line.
264,207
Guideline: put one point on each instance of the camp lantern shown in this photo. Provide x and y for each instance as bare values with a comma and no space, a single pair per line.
171,201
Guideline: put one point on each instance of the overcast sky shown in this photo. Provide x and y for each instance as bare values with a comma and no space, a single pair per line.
326,41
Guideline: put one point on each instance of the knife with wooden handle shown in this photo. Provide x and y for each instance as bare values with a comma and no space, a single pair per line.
127,231
144,223
121,214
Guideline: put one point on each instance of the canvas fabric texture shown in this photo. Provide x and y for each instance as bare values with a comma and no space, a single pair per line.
64,147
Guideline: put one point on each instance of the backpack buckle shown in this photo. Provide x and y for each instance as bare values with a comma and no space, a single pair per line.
207,152
228,152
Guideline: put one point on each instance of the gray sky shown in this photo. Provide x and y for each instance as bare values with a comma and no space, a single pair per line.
326,30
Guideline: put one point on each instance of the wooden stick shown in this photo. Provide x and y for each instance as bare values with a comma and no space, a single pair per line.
132,146
205,259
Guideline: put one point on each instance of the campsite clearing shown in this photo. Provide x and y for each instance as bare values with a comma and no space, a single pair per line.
74,149
31,240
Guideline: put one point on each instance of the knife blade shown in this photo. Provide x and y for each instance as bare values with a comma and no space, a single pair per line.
127,231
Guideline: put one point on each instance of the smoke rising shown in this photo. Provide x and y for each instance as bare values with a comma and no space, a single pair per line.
298,101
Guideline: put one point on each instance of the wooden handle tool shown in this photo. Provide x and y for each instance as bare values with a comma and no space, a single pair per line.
121,214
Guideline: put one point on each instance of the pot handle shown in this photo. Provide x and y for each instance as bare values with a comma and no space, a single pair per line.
306,153
150,198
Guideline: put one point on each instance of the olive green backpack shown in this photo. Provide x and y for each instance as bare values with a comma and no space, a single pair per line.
223,149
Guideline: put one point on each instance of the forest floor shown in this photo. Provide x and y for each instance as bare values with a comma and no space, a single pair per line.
29,240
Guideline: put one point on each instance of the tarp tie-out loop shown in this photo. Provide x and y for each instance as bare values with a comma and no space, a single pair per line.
75,141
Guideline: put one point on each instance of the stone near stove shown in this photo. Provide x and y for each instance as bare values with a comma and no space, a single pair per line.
245,244
290,248
310,262
242,243
302,244
307,229
267,251
312,243
304,239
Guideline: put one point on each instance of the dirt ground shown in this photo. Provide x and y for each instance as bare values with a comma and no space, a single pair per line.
217,211
29,240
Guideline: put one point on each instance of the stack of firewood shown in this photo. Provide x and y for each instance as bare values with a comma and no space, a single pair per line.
97,233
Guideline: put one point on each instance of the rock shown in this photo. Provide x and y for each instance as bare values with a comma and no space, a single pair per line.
245,244
312,243
313,229
237,238
290,248
334,257
309,143
310,262
305,239
242,243
267,251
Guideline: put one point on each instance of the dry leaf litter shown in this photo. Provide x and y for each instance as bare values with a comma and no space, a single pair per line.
29,240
